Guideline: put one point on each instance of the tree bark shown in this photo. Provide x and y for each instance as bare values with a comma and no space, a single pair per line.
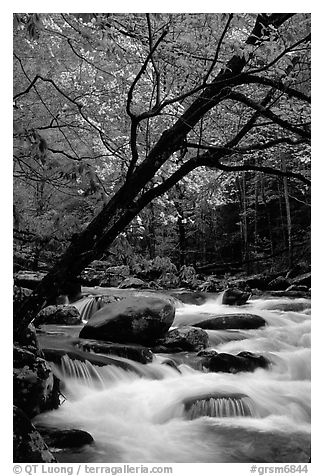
122,207
288,212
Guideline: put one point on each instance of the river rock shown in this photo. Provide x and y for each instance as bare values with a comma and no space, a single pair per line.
35,387
279,284
69,438
133,352
60,314
19,295
189,297
235,297
114,275
185,338
133,283
28,445
28,279
28,340
139,320
232,321
223,362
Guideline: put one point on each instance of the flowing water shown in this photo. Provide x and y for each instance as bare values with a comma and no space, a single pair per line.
154,413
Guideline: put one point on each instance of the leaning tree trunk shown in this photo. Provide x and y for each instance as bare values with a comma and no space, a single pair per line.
122,208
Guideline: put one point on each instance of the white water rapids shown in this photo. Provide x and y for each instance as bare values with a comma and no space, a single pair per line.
141,416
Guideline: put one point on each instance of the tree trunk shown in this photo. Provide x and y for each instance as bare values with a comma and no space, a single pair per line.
122,207
288,212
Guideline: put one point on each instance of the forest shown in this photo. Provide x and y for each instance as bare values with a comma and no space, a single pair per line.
168,155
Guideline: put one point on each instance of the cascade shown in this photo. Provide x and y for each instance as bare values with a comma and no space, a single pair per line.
88,305
154,413
220,407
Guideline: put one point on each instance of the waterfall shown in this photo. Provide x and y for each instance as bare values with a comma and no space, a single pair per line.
88,305
220,407
155,413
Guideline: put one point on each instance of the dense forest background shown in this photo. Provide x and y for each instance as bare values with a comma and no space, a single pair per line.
95,94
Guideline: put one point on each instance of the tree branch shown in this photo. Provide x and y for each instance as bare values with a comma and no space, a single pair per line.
291,92
247,149
269,114
139,74
267,170
218,48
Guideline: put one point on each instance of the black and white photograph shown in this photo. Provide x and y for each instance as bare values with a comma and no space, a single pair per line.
161,241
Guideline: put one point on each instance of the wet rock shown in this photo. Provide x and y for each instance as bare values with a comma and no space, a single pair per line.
133,352
133,283
28,340
28,445
235,297
35,387
19,295
70,438
60,314
242,362
208,353
114,275
181,339
189,297
139,320
279,284
232,321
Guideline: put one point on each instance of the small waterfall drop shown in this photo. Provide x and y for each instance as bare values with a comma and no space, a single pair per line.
223,406
88,305
156,413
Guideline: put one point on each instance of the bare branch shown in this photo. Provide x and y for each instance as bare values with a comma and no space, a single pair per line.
249,148
283,53
267,170
291,92
218,48
139,74
156,69
269,114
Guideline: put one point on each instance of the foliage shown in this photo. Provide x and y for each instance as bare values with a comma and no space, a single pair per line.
93,94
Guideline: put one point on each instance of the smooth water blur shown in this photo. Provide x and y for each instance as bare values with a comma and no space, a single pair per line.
143,416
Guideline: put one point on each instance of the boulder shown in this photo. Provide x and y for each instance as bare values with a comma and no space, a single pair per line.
185,338
279,284
29,341
69,438
114,275
189,297
138,319
232,321
223,362
28,279
133,283
235,297
60,314
35,387
19,295
28,445
133,352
